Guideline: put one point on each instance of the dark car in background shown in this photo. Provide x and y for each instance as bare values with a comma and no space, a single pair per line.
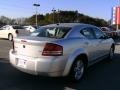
111,32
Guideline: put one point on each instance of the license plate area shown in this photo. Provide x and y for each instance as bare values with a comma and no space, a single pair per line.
21,62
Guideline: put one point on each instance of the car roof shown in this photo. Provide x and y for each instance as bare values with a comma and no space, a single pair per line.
66,25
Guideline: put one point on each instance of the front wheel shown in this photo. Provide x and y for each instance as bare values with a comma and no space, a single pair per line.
111,53
77,70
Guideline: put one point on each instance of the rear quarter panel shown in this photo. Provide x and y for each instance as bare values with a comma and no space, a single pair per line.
72,48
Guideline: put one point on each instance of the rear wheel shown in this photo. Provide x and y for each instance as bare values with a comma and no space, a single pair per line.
77,70
10,37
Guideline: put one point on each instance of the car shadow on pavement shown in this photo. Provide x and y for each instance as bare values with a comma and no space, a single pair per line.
4,60
103,75
3,39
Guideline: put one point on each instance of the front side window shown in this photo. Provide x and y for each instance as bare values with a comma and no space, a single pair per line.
104,29
3,28
98,33
88,33
51,32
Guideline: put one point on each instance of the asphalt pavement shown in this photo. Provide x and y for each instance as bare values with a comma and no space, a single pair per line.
104,75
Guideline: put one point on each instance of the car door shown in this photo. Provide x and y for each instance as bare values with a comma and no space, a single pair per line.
91,43
103,41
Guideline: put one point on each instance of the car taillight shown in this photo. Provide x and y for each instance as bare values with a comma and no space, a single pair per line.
52,50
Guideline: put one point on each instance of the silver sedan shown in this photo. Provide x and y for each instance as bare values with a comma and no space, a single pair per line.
64,49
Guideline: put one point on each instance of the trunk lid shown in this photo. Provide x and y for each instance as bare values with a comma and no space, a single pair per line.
30,46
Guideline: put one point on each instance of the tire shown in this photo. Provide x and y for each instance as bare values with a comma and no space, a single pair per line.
111,53
77,70
10,37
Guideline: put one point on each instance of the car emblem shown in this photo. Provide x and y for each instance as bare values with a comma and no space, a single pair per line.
23,46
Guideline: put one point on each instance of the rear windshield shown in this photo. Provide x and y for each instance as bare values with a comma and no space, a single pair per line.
51,32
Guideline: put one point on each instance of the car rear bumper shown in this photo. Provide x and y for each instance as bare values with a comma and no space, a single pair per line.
47,66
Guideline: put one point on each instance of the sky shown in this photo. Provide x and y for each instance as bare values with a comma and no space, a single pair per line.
25,8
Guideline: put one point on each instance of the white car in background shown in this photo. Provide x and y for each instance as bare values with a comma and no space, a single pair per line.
11,31
29,28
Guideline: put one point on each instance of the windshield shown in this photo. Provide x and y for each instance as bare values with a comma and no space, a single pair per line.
51,32
4,27
18,27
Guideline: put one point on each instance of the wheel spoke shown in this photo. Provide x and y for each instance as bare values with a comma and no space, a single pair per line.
79,69
111,53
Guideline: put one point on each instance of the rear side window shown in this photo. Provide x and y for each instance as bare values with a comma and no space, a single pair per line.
88,33
51,32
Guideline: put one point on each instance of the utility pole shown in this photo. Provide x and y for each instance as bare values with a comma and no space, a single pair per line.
53,10
36,5
58,16
77,16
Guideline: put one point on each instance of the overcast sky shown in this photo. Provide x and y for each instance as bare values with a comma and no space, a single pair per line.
24,8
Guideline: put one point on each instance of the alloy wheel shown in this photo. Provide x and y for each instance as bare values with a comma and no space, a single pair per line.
78,70
111,53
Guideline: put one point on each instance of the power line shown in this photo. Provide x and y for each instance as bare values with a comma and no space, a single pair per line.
14,5
36,5
4,7
18,9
